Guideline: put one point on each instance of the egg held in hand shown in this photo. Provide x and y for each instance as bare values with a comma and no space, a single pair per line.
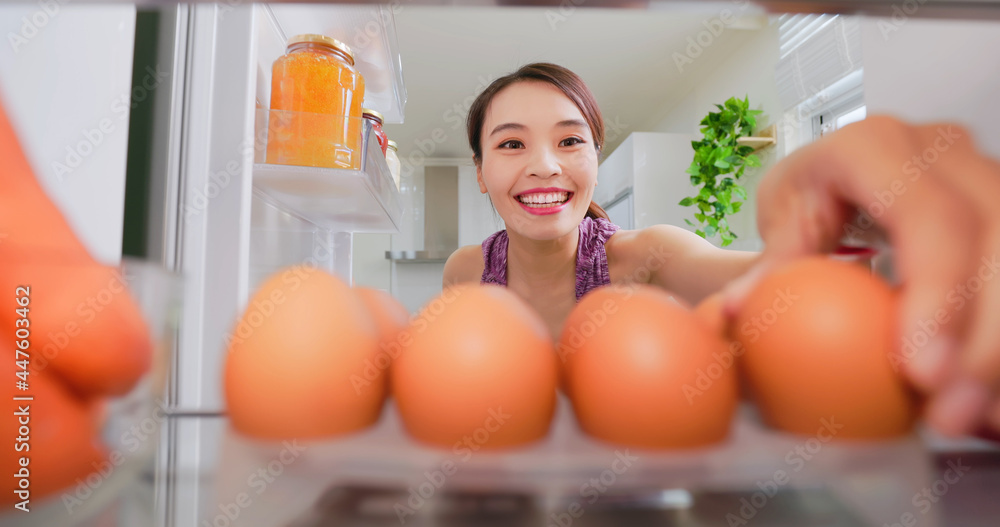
296,359
477,371
643,371
819,338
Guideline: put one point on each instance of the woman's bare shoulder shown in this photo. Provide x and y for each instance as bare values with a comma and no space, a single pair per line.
464,265
656,240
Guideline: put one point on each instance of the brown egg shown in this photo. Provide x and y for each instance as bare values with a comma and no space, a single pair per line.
643,371
85,326
710,311
478,371
391,317
296,359
60,437
389,314
819,341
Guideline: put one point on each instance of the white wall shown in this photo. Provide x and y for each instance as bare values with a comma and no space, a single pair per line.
413,284
477,218
926,70
370,267
65,80
660,161
411,194
417,283
746,72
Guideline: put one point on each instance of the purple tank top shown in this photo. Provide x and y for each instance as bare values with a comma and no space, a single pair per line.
591,259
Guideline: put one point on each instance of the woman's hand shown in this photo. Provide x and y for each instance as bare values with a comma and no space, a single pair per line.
935,197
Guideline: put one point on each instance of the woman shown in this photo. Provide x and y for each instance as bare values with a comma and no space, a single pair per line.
537,134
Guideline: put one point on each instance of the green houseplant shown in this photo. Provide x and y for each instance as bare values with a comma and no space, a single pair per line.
718,165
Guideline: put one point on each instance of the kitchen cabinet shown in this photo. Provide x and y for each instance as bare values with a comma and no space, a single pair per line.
644,178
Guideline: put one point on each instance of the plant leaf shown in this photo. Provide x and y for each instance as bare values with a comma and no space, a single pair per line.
740,191
686,202
725,197
710,231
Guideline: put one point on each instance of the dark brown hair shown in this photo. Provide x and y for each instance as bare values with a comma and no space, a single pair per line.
567,81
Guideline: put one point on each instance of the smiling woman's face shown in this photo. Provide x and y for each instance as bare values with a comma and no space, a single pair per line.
539,163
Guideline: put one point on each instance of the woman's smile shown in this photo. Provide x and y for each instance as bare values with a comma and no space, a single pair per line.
541,201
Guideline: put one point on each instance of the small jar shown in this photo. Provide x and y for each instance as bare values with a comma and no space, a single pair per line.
316,92
392,159
376,119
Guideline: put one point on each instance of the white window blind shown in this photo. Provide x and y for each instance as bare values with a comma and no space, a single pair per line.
815,51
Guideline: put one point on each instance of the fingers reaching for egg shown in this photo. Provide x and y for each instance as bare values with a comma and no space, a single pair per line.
818,335
944,229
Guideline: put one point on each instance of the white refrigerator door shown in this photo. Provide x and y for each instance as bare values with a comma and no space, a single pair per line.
66,83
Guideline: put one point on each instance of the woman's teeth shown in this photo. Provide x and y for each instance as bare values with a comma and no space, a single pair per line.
546,199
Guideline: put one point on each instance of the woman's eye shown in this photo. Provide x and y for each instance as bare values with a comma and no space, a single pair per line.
570,141
513,143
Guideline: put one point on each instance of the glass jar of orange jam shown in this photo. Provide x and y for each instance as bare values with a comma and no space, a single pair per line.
316,93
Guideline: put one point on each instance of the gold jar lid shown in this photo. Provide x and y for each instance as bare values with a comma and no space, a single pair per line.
392,144
373,113
325,41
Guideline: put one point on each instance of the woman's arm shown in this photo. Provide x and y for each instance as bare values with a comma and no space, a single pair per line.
693,268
